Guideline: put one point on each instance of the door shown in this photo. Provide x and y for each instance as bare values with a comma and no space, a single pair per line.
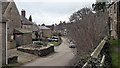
18,39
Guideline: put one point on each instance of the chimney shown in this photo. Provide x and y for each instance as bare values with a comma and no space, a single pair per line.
23,13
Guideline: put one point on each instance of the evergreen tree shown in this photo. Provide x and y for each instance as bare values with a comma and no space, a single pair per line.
30,18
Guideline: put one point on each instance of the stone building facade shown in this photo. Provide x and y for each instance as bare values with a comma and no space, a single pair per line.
25,23
29,25
3,41
46,32
114,19
22,37
10,12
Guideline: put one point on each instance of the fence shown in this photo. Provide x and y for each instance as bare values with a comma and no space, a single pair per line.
93,60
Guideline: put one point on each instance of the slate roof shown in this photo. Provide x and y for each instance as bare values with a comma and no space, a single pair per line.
25,21
34,27
43,27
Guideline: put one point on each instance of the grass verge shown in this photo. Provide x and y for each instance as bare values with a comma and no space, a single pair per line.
55,43
115,53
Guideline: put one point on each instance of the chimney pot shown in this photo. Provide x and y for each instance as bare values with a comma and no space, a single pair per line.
23,13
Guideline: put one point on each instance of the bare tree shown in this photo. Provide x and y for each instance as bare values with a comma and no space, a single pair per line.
79,14
87,32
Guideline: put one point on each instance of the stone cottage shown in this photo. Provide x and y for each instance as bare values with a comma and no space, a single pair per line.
22,37
46,32
114,19
25,23
61,28
29,25
36,32
10,12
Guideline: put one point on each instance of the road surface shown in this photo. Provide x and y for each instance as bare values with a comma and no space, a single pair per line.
62,56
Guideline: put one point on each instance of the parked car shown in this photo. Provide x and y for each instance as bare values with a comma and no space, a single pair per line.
72,45
54,38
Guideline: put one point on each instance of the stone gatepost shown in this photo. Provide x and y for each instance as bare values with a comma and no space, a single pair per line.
3,41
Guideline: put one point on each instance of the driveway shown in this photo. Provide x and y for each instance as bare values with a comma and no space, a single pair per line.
62,56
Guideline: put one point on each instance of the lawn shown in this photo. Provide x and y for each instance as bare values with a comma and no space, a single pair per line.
114,42
55,43
115,53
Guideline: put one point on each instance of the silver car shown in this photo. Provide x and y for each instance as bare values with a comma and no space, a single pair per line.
72,45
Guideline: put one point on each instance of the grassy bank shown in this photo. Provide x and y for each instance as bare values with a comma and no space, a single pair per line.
115,53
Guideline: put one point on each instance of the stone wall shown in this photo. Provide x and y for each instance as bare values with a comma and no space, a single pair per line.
12,60
9,43
39,52
27,39
114,19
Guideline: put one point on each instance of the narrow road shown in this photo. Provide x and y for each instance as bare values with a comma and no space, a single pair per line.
63,54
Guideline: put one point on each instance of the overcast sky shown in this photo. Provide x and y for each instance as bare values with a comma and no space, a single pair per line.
51,11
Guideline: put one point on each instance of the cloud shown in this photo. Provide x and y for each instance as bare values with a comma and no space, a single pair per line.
55,1
51,12
49,18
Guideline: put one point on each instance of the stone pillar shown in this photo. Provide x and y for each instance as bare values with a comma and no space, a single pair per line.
3,41
0,34
0,44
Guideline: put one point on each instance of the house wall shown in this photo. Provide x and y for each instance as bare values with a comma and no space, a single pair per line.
113,14
46,32
29,27
118,20
23,39
13,21
27,38
13,16
11,44
2,44
26,26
